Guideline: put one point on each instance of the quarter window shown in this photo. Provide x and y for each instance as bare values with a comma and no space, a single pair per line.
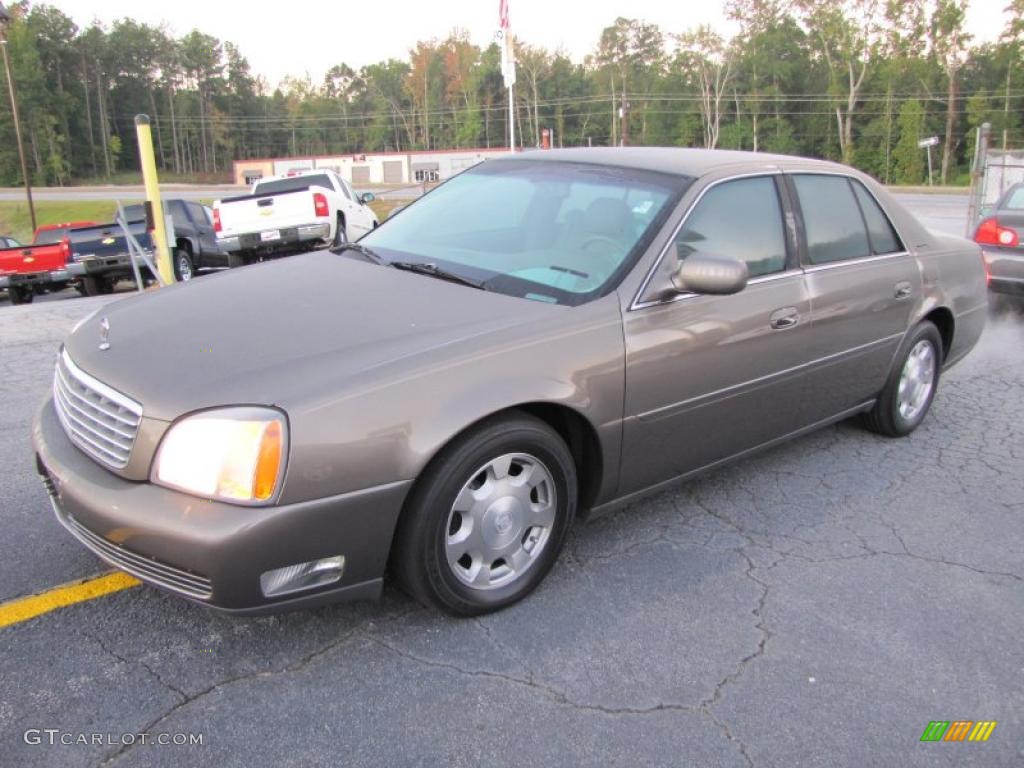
832,219
741,219
883,236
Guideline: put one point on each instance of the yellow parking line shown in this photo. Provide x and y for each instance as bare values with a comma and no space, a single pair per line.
25,608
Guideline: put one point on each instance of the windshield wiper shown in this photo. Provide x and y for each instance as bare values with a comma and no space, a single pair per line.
435,271
362,250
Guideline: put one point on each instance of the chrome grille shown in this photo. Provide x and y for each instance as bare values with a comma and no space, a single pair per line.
145,568
99,420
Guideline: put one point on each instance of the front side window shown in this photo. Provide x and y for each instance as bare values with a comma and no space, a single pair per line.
832,219
741,219
548,231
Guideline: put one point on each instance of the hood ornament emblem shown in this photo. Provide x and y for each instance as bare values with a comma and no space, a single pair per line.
104,334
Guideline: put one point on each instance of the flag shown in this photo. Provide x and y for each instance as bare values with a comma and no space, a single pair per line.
508,56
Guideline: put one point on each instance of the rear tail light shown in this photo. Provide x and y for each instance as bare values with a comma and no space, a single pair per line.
216,220
65,248
320,204
990,232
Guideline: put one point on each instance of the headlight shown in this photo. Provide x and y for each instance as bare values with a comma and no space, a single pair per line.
234,454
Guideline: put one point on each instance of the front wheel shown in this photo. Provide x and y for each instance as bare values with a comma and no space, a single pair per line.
487,519
910,388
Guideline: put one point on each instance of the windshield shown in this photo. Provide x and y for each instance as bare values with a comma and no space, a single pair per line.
292,184
547,231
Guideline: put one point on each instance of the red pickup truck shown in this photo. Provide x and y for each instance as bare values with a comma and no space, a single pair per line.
42,265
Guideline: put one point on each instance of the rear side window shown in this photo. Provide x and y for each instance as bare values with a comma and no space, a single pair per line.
292,183
832,219
883,236
1015,200
741,219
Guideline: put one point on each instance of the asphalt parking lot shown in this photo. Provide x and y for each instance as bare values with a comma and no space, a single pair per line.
815,606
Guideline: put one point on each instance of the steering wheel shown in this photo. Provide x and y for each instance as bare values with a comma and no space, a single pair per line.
606,261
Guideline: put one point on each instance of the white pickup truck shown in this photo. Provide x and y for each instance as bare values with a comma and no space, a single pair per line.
289,214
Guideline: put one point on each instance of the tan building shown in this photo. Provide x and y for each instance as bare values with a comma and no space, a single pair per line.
373,167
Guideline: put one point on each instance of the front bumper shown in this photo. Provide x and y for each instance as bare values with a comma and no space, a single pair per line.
288,237
208,551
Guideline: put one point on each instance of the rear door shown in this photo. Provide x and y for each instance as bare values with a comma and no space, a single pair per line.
708,377
863,285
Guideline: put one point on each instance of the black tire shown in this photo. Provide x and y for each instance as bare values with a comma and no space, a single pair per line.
21,294
419,560
184,270
94,285
340,235
885,417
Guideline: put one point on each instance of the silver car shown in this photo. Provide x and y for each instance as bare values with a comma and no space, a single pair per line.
543,338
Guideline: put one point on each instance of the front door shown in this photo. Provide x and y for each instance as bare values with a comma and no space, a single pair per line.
708,377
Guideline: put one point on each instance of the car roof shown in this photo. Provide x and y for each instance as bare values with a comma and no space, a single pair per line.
677,160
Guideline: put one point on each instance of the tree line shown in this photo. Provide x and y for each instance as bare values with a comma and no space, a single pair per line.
861,81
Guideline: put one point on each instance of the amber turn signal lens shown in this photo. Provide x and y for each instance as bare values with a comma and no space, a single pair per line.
269,462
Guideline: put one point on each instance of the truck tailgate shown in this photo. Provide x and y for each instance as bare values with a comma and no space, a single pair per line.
29,259
258,213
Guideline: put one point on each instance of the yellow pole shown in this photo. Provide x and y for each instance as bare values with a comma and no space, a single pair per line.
149,177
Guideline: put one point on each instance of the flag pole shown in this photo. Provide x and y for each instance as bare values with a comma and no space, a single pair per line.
508,69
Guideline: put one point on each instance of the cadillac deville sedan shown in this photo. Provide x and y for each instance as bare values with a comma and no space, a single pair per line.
542,338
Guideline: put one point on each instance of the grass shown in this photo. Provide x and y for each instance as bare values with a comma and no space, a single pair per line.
15,221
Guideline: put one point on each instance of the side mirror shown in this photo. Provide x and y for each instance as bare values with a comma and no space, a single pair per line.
367,197
714,275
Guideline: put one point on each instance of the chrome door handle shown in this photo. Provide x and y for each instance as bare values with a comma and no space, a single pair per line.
787,317
901,290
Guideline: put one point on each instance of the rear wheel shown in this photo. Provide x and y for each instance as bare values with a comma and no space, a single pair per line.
340,235
910,388
183,269
488,518
94,285
21,294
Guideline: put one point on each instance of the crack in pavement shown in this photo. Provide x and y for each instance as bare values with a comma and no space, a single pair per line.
137,662
548,691
294,666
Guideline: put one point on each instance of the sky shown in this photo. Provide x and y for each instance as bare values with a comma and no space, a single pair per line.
310,36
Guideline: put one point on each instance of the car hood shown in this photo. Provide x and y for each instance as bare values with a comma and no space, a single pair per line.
274,333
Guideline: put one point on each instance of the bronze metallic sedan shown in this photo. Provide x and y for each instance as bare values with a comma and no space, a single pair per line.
541,338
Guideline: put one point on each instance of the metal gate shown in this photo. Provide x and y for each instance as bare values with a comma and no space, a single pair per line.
393,171
993,172
360,174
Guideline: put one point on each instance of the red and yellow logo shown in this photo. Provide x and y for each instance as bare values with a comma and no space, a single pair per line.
958,730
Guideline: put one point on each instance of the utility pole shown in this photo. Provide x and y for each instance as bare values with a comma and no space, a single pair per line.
508,68
5,19
624,116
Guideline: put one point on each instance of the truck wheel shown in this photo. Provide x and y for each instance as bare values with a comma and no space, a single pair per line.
183,270
21,294
96,286
340,235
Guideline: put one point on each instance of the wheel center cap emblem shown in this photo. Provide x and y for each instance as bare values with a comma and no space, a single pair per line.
503,522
